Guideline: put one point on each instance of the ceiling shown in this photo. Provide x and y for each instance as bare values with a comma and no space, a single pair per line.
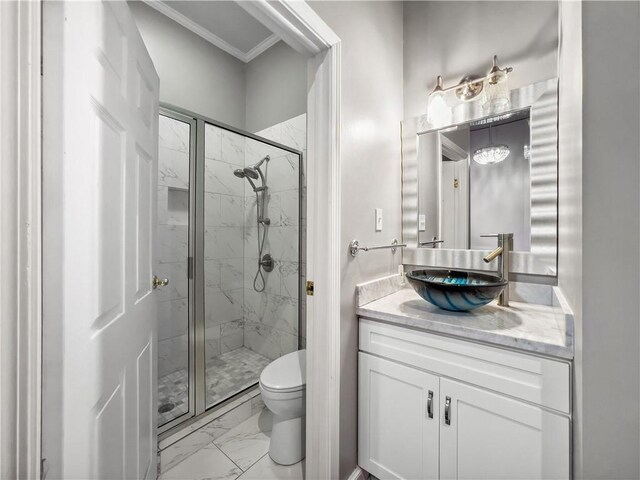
223,23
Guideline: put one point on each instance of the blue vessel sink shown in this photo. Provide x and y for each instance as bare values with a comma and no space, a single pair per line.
456,290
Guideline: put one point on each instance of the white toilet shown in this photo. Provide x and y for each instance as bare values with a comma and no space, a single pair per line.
283,384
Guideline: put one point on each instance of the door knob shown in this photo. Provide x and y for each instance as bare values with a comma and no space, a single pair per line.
157,282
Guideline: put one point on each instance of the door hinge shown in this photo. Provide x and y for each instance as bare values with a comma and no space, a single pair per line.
189,268
310,288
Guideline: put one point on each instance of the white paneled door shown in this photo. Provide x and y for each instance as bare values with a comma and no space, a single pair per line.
100,166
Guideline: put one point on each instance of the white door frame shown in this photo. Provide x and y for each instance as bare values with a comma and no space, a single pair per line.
20,239
300,27
20,231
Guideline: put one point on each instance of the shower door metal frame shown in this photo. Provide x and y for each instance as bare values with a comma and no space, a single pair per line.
197,374
175,115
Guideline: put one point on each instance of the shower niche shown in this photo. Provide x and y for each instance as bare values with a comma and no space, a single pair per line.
241,213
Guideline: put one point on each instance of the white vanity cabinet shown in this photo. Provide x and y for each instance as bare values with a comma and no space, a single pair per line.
399,410
495,414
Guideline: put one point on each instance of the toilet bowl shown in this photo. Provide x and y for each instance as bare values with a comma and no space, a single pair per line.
283,385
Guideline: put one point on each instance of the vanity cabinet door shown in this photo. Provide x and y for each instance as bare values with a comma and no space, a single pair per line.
397,420
484,435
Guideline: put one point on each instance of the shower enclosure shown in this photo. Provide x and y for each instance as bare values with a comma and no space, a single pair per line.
229,242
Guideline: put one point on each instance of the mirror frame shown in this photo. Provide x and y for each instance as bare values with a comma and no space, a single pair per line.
542,100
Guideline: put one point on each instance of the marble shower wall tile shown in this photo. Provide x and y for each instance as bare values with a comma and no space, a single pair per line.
212,345
274,311
284,173
289,278
173,318
173,355
212,278
173,134
268,341
222,306
212,142
163,200
294,132
173,168
231,273
233,147
231,335
173,243
223,243
212,212
219,178
256,151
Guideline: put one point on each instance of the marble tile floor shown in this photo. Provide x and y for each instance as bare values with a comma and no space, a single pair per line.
240,453
226,375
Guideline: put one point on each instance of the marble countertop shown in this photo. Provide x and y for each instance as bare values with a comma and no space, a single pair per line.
543,329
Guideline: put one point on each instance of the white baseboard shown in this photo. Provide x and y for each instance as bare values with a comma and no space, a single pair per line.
358,474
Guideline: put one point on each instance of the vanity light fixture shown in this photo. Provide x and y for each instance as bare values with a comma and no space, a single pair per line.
495,97
491,154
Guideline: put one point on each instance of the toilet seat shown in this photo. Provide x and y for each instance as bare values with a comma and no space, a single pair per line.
286,374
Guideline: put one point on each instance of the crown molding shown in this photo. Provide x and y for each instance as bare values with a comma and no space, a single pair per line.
263,46
202,32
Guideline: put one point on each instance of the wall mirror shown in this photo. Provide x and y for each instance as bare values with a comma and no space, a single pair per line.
484,174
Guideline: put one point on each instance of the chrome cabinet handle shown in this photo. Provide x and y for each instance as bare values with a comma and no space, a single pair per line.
430,404
447,411
156,282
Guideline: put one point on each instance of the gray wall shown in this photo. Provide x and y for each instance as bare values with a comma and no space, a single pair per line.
194,74
599,230
611,235
276,87
455,38
371,110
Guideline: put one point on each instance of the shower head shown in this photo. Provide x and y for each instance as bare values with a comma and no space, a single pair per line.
251,172
239,173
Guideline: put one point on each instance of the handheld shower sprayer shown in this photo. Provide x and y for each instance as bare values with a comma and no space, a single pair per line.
252,173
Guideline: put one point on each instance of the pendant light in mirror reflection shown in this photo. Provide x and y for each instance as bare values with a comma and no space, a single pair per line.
491,154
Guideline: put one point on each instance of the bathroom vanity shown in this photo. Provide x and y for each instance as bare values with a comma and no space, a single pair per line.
481,394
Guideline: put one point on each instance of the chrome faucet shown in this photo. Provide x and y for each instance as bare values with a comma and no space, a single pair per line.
502,252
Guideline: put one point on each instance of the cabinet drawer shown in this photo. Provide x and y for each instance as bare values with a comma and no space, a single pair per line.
538,380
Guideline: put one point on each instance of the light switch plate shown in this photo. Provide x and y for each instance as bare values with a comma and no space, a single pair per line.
378,219
422,223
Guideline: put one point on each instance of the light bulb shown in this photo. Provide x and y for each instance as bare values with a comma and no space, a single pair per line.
438,112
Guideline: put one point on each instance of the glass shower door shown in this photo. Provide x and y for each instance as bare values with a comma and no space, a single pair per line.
175,329
251,259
